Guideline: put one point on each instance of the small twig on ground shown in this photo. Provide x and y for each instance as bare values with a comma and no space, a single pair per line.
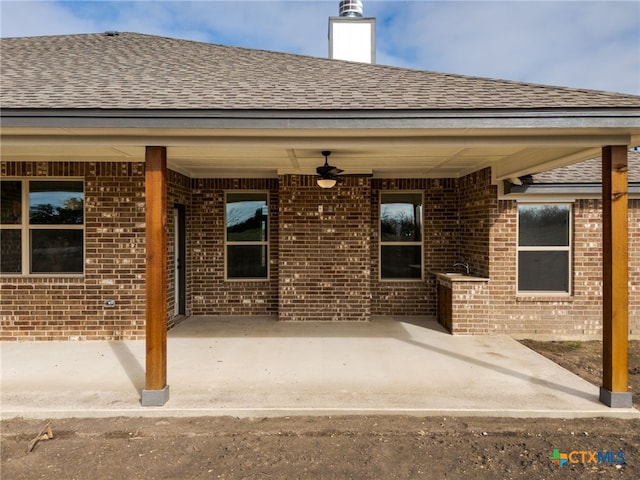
45,434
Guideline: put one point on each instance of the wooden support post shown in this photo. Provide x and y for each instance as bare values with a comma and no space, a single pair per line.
614,391
156,392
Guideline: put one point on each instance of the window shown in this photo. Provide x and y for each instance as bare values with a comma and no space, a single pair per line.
41,226
544,248
401,236
247,236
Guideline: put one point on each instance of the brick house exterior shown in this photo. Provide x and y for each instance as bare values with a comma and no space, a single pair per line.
475,224
324,245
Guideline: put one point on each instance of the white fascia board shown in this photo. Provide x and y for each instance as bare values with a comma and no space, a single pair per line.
589,145
550,193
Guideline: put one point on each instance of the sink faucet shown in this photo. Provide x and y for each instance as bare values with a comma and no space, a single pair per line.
462,264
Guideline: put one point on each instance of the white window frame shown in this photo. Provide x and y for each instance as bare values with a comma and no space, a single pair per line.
25,227
266,242
533,248
400,244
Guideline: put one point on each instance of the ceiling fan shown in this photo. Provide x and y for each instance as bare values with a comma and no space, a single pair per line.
328,175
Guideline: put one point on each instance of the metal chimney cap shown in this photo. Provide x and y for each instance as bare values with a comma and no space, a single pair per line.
351,8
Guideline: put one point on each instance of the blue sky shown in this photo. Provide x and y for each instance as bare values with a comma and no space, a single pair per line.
583,44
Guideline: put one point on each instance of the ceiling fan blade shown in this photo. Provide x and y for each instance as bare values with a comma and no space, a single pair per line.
360,175
328,170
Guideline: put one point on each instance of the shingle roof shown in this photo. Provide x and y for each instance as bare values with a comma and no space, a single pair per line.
589,171
136,71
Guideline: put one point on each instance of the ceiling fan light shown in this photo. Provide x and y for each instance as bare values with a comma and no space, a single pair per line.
326,182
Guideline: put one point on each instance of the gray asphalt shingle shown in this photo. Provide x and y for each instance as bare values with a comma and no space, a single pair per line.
589,171
136,71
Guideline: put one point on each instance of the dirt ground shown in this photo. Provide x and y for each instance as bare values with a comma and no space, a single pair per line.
363,447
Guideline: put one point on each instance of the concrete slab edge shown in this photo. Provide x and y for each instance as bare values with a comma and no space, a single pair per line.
154,412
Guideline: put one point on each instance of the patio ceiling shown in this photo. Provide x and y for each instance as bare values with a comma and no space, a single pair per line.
385,153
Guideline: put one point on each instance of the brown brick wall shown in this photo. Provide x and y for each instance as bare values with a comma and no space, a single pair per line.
440,246
59,308
470,308
210,293
634,267
502,274
478,202
442,226
325,256
474,217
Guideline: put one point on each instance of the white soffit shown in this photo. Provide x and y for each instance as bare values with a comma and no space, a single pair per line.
260,153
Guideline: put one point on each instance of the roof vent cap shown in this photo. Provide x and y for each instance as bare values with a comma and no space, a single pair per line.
111,33
351,8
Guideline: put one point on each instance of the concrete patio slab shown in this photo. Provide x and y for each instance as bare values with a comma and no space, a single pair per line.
256,367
